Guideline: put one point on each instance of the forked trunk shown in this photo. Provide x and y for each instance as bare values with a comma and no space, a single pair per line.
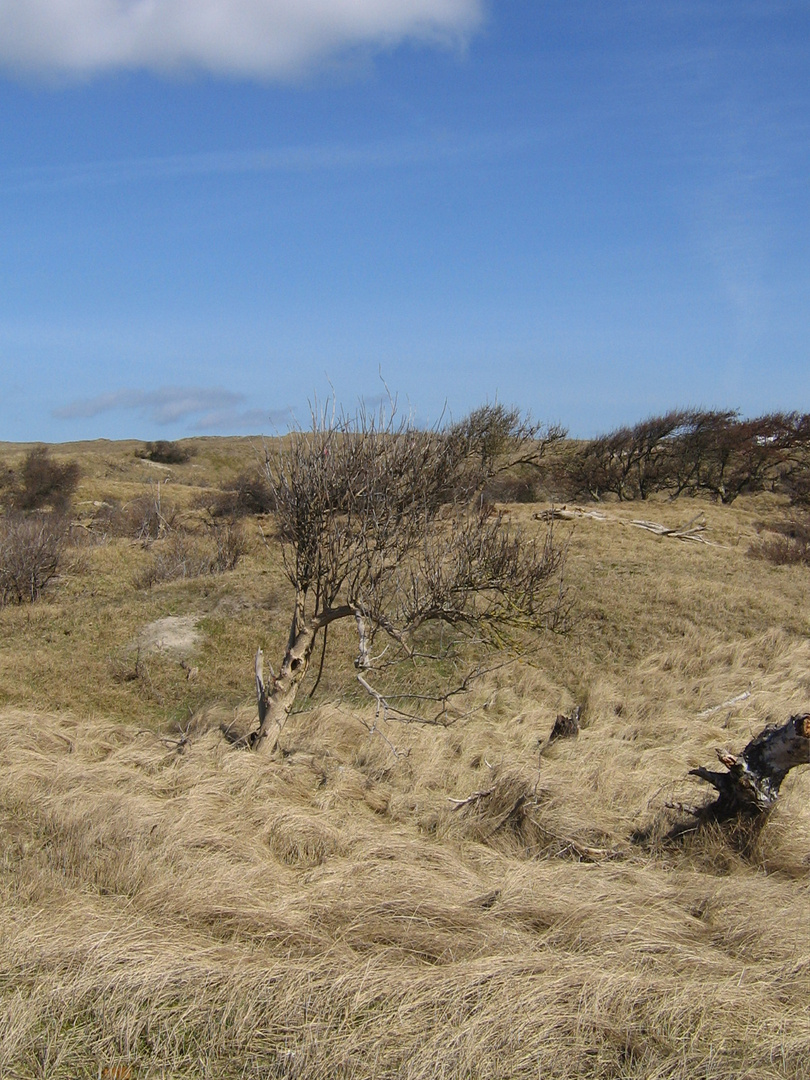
751,785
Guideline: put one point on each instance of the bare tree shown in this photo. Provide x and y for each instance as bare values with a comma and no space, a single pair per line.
632,462
600,466
378,524
691,451
743,454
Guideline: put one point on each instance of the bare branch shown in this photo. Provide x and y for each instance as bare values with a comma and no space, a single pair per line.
474,798
375,521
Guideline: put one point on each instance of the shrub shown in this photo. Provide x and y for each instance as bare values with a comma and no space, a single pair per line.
183,556
512,489
44,482
146,518
231,546
176,557
166,452
149,517
788,544
31,549
250,493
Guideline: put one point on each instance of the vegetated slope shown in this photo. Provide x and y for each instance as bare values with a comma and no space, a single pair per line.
181,908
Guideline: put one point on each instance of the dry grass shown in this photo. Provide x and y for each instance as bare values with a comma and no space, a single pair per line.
182,909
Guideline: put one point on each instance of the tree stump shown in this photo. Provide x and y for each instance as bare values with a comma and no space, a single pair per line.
566,727
750,787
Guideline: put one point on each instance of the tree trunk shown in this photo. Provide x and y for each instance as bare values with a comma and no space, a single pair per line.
276,701
751,785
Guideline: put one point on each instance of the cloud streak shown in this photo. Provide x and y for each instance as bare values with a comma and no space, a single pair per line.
268,39
198,408
290,159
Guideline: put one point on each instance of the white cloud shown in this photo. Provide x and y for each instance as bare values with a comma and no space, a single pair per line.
198,408
261,38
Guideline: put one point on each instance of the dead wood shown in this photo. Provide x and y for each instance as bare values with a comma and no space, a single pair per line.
690,530
750,786
574,513
566,727
724,705
511,806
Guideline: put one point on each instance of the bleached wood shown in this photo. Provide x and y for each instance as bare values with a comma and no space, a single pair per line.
751,784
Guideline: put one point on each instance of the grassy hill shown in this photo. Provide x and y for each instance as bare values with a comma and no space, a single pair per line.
387,900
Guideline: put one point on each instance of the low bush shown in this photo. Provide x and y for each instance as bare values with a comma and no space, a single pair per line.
146,518
231,545
32,547
166,452
44,482
788,544
512,489
184,556
250,493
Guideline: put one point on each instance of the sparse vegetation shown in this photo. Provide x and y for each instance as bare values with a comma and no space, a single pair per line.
384,900
182,555
787,542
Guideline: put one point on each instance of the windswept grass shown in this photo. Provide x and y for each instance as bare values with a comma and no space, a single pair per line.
399,901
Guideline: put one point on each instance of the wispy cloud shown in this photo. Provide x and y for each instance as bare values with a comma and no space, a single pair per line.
382,155
256,38
198,408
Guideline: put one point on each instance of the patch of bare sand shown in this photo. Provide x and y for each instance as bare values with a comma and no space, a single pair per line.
174,635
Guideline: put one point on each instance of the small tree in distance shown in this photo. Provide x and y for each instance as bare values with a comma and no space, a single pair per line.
379,523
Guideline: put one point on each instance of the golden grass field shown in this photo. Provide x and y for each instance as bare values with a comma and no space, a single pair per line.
173,907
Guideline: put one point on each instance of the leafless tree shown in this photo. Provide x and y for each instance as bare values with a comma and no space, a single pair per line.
688,451
378,523
495,439
696,446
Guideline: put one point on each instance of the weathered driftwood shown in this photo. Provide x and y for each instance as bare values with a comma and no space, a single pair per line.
573,513
691,530
751,785
744,696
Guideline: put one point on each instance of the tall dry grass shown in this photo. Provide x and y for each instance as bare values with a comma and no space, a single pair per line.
177,908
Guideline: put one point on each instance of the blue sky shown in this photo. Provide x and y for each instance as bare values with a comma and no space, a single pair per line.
212,210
